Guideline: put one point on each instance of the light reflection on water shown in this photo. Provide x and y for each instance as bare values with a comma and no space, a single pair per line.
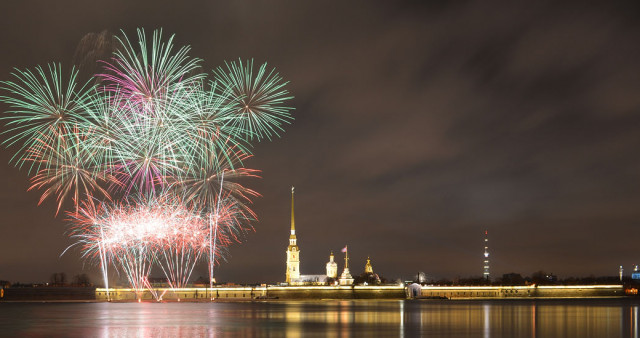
335,318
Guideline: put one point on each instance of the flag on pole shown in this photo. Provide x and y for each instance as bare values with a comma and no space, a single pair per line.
344,249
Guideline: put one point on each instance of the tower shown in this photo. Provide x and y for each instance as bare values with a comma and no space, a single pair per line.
346,278
332,267
485,274
293,252
367,267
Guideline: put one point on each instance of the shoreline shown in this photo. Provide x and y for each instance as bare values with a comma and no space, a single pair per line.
272,293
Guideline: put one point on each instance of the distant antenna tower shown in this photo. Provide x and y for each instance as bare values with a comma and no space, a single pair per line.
485,274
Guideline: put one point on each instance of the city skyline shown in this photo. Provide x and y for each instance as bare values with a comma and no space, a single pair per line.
417,127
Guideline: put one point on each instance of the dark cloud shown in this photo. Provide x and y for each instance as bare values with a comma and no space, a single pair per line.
417,127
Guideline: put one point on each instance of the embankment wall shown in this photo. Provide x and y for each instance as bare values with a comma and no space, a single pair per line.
258,292
531,291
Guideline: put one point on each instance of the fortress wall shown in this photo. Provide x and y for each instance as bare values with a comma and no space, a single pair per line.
365,292
183,294
264,292
544,291
580,291
337,292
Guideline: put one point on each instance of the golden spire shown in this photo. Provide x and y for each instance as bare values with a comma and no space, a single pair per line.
293,222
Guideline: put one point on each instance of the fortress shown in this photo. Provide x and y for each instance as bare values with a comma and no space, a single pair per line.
293,277
341,286
328,286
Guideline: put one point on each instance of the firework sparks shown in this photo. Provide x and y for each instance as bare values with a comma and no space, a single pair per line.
257,98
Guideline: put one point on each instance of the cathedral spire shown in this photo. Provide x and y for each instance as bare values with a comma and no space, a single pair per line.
293,221
293,251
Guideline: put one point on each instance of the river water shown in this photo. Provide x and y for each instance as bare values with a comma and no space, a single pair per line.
330,318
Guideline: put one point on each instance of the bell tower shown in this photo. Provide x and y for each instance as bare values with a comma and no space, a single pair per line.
332,267
293,252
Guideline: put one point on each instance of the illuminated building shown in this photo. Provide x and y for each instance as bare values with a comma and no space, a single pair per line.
636,273
367,267
293,252
485,272
332,267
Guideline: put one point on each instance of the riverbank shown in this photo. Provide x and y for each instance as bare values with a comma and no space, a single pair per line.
273,292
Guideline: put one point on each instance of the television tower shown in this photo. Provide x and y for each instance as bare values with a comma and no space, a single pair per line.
485,274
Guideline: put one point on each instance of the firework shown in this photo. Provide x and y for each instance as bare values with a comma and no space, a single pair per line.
257,98
68,167
135,235
149,73
42,103
151,155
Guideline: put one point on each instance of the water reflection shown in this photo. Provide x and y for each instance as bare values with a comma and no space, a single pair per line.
634,320
498,318
486,329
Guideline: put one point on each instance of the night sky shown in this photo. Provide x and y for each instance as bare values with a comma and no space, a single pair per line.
417,126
